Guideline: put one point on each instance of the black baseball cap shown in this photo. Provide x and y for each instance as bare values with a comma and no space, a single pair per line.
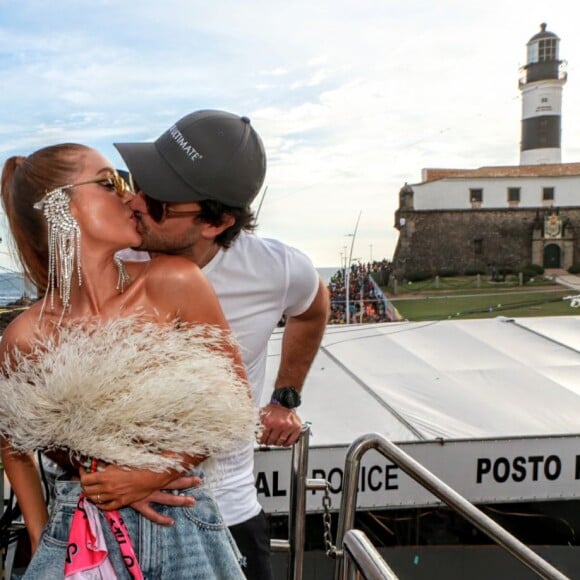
205,155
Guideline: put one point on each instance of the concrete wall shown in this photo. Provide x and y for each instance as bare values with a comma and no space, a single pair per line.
460,239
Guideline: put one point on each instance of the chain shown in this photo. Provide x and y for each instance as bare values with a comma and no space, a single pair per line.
326,522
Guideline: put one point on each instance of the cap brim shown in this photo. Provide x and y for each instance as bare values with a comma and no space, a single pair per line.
154,175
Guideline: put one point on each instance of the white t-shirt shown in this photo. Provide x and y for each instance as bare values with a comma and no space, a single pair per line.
257,280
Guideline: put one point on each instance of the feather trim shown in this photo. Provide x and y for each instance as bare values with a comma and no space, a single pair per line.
127,392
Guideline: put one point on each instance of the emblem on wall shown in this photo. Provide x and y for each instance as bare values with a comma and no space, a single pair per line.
552,226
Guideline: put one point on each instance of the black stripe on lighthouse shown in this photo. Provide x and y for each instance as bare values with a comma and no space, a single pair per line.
541,132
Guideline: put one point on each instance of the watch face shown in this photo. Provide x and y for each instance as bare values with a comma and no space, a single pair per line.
288,397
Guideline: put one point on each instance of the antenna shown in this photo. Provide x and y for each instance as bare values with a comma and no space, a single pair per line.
261,202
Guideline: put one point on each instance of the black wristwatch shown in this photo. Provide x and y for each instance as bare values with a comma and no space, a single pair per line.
288,397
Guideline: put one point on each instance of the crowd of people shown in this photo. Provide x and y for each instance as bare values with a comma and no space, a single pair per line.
366,303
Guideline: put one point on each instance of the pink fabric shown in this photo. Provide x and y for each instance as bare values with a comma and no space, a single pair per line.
125,544
87,554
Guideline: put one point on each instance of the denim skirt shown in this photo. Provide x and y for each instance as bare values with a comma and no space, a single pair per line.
198,547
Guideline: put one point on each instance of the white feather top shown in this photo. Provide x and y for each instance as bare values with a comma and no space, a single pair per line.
127,392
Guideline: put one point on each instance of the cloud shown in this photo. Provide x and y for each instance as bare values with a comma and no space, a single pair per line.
277,72
351,100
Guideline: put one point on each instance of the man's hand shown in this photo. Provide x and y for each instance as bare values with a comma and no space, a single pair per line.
116,487
145,508
282,426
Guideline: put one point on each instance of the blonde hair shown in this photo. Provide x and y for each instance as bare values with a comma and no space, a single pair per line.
25,180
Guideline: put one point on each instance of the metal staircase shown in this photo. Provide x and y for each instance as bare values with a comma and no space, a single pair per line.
355,556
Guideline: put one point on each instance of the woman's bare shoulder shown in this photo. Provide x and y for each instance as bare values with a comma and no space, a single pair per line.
178,286
22,331
166,270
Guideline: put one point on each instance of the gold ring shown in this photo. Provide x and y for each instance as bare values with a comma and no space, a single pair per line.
98,497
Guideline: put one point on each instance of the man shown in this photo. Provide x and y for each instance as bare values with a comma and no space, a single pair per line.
195,186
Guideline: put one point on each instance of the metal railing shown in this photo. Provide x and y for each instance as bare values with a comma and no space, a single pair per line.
439,489
299,484
361,558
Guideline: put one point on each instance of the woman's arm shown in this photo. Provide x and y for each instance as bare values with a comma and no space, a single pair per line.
21,468
25,481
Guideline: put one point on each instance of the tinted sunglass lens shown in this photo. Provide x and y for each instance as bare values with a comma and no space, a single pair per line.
121,186
155,208
132,183
123,182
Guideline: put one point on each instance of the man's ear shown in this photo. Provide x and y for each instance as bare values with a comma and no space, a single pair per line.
210,232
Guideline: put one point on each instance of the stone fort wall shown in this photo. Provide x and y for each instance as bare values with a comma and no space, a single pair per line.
481,238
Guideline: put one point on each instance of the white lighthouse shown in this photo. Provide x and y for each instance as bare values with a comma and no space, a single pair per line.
541,87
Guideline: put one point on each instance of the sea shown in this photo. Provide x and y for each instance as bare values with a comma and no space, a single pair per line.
327,272
13,287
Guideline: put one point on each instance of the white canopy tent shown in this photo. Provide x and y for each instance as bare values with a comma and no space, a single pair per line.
458,394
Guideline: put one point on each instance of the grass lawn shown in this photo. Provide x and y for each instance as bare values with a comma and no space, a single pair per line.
469,284
459,297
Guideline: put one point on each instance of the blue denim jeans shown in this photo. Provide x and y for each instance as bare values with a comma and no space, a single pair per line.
198,547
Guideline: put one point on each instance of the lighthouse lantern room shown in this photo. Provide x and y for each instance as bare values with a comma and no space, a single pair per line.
541,87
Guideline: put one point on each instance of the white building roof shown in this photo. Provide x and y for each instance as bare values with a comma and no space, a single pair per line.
450,189
542,170
470,379
492,407
455,192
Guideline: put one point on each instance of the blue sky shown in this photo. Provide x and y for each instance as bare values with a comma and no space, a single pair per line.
352,98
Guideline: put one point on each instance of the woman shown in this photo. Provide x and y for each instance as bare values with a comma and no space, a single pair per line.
67,211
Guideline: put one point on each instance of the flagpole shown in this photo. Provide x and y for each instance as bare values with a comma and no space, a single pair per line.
347,269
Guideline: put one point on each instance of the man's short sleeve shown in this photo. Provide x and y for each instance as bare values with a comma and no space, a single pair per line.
302,282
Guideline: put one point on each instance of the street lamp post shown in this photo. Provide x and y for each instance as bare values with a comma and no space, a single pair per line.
347,269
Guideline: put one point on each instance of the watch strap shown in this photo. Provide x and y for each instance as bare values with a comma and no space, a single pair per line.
288,397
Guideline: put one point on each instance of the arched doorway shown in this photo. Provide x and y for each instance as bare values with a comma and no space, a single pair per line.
552,256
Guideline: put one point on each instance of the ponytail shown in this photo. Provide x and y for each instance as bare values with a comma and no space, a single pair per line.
25,181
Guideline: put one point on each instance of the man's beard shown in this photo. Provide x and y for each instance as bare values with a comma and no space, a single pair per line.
153,242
